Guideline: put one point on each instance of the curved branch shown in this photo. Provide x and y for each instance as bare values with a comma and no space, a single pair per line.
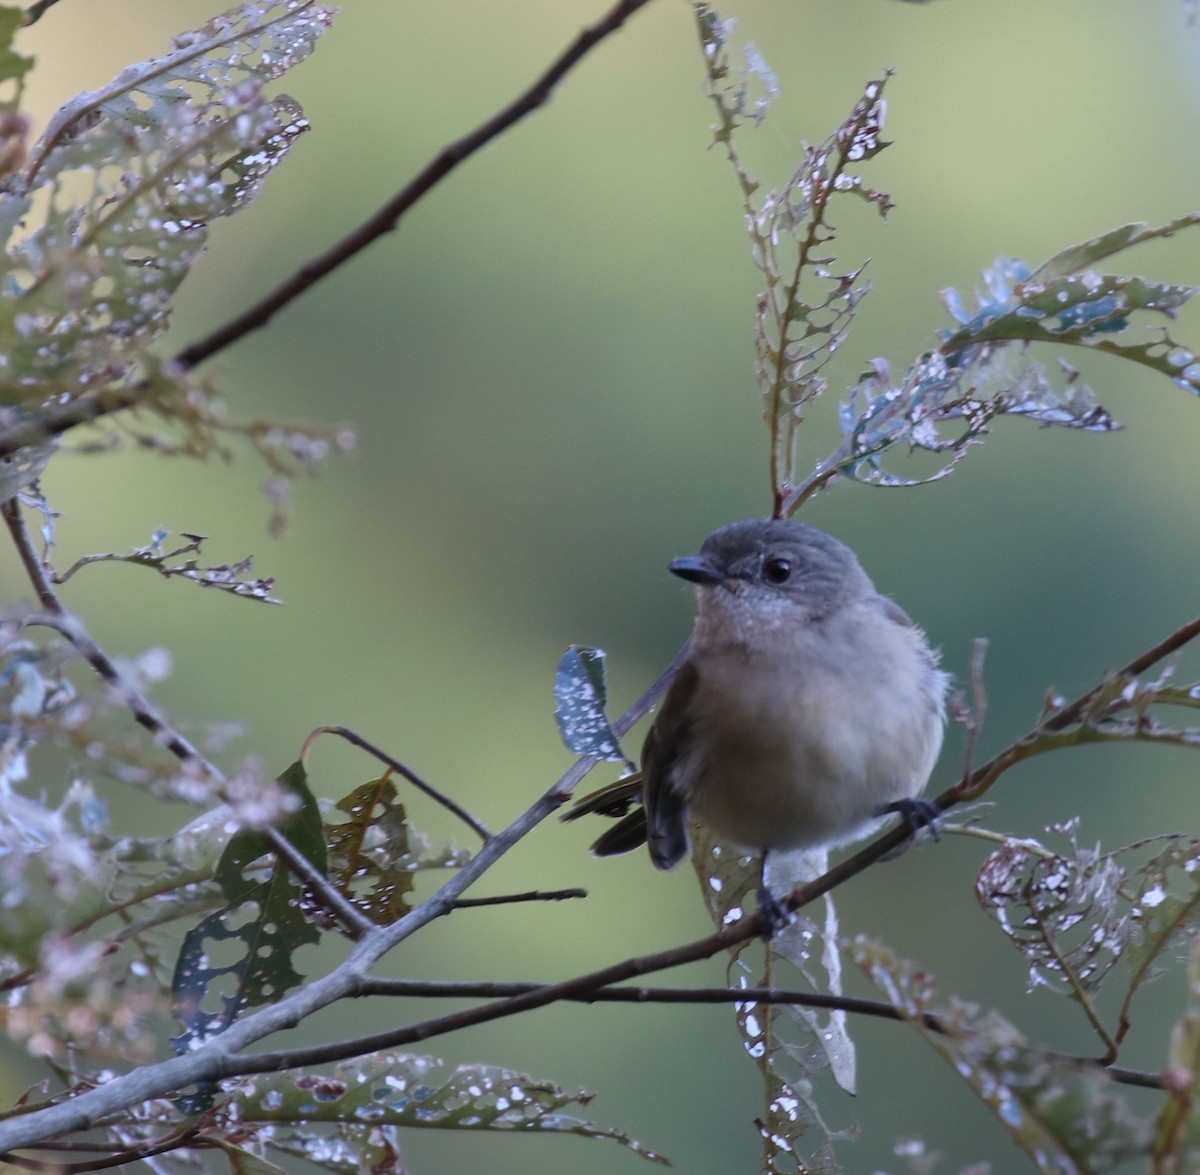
385,220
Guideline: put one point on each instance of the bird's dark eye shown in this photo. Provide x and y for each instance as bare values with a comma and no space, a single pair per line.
777,570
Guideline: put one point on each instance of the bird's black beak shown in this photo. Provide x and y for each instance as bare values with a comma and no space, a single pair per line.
696,570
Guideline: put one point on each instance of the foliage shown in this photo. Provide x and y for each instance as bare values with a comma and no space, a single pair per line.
104,939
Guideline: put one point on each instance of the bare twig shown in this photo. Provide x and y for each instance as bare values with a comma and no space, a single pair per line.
36,11
351,917
181,1138
385,220
476,826
533,895
220,1058
457,989
147,715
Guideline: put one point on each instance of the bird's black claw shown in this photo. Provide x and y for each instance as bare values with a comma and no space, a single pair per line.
917,814
775,916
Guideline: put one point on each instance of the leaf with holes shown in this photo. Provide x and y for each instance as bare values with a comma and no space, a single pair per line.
372,847
580,695
364,1102
1067,1116
241,956
124,184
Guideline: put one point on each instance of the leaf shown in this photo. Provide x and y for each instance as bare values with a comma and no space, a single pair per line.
1065,1116
261,927
373,846
127,180
1087,253
792,1046
1075,915
13,67
580,695
945,401
367,1099
1063,913
1178,1124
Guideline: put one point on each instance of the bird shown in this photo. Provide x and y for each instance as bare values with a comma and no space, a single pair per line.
806,710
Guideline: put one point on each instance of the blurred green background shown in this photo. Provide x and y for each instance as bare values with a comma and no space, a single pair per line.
550,369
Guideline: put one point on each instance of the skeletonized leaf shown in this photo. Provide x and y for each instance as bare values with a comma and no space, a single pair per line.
1074,915
119,193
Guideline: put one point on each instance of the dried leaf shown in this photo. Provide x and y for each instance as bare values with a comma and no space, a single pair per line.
372,847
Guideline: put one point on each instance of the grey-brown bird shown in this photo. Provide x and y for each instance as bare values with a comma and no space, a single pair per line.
808,708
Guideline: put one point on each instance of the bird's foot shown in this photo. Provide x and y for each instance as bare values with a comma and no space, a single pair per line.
917,814
774,914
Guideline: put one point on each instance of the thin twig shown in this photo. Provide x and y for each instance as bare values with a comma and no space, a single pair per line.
386,218
476,826
456,989
135,1154
355,922
147,715
36,11
533,895
219,1059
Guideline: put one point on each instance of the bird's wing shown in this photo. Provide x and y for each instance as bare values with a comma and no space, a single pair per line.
666,800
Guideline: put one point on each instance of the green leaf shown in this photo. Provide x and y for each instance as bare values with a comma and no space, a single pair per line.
373,846
257,931
1087,253
580,695
367,1099
12,65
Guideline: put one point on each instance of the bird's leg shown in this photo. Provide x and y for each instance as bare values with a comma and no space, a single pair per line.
775,916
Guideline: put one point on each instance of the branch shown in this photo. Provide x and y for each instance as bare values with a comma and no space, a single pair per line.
56,420
216,1058
533,895
36,11
451,989
476,826
148,716
385,220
